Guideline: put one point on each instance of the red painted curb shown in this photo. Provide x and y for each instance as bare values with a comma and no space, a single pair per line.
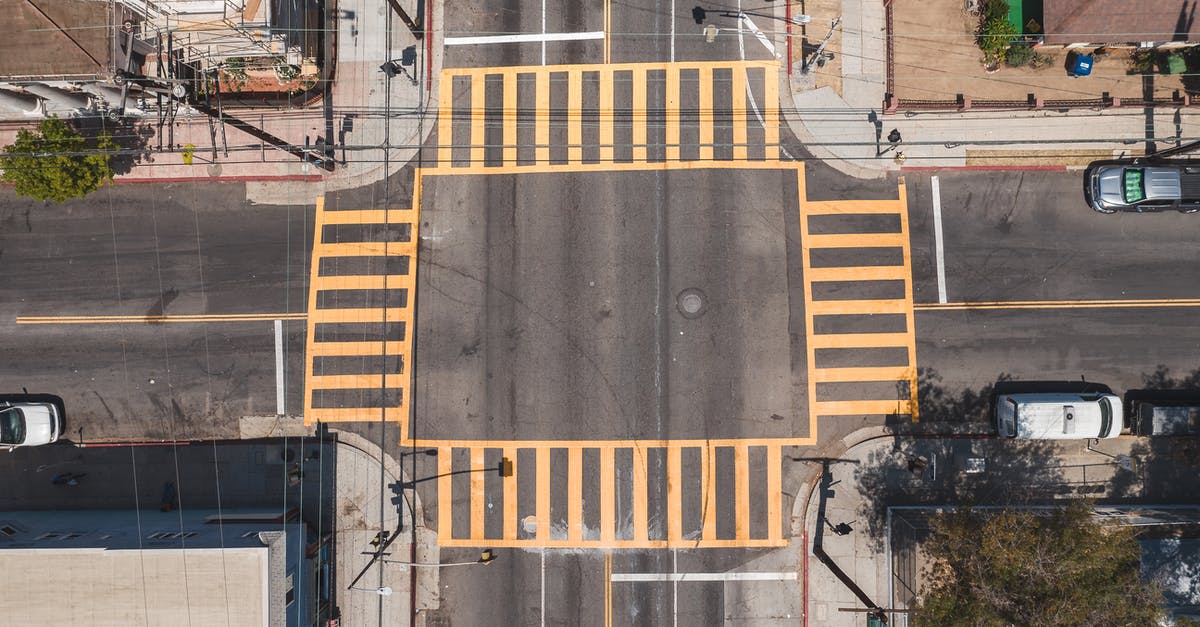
116,444
307,178
983,168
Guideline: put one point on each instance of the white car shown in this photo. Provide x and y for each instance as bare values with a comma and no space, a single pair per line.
28,421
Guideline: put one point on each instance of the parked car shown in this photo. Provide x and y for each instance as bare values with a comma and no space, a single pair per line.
1142,185
1058,416
30,420
1163,412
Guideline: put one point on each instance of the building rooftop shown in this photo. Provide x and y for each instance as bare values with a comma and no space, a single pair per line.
1119,21
206,586
55,38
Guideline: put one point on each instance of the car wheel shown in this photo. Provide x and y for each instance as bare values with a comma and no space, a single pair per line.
1192,210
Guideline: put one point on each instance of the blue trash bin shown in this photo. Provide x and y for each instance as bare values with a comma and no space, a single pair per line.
1082,65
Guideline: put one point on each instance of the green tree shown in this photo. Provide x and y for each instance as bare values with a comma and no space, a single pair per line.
994,39
1033,568
56,163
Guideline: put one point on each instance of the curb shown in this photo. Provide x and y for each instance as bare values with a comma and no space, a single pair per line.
304,178
985,168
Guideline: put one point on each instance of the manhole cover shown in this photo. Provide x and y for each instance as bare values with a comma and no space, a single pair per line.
691,303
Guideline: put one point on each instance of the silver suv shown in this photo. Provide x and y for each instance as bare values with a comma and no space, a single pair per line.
1142,185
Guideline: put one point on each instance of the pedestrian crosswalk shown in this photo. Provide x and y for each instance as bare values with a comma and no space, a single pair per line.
360,315
858,304
604,117
630,494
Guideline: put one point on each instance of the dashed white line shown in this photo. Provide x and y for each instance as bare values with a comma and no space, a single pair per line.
937,238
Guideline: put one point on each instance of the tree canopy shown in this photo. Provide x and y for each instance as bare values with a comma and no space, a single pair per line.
1031,567
56,163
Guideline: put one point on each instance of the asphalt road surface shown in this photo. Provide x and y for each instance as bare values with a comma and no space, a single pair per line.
157,308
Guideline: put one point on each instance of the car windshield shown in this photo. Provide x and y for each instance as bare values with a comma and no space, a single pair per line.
12,426
1135,191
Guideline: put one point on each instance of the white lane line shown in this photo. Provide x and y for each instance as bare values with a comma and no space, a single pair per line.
672,31
674,586
688,577
937,239
760,36
522,38
279,367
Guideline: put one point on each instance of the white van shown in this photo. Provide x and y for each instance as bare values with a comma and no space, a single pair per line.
1059,416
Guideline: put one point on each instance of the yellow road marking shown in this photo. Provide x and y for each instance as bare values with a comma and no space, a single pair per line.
619,544
510,117
1063,304
510,497
608,519
708,489
366,314
854,207
739,112
643,67
354,414
353,216
741,479
357,381
541,117
674,495
478,117
607,130
857,273
445,494
851,374
356,349
366,249
542,496
914,409
774,494
633,166
641,531
364,282
832,307
575,494
707,116
855,408
859,340
858,240
575,117
180,318
771,111
477,494
639,115
672,106
445,127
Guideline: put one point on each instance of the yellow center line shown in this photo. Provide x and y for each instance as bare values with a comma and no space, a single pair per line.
193,318
1061,304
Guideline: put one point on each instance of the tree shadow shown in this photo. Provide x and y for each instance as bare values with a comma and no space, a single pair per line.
953,469
131,135
1170,464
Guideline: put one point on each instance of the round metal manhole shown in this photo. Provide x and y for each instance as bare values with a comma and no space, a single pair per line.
691,303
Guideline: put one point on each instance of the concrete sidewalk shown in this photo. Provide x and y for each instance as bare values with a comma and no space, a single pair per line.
848,128
874,470
351,119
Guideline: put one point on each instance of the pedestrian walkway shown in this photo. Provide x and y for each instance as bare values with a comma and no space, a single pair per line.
601,117
598,494
360,314
858,302
845,511
844,122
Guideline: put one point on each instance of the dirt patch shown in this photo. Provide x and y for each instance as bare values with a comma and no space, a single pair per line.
935,58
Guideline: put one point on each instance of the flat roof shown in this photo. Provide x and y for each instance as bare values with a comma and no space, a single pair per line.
1119,21
55,38
135,587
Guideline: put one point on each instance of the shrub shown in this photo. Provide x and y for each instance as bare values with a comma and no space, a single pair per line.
995,38
1019,55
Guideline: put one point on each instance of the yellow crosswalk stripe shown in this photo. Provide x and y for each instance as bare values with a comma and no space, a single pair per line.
577,528
849,275
738,88
576,77
320,313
